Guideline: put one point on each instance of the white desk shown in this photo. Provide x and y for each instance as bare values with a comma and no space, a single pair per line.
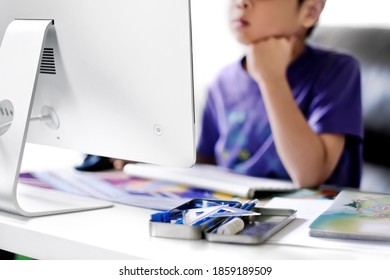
122,232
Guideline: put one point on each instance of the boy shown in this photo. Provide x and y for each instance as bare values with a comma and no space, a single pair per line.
286,110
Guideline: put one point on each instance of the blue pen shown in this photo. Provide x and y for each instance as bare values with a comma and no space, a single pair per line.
250,205
165,216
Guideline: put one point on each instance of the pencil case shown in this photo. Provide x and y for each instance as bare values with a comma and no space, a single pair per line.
256,230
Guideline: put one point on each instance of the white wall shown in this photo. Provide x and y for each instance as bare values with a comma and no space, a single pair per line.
212,42
357,13
213,45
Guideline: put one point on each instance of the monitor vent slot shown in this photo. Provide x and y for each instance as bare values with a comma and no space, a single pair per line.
48,65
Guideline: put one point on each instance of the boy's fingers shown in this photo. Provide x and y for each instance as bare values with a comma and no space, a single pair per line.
119,164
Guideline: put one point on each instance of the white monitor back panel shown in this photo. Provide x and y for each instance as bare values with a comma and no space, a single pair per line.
122,85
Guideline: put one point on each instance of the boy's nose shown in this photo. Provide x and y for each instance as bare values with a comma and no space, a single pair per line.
243,4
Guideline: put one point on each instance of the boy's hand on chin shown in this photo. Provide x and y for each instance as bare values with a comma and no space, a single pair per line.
268,59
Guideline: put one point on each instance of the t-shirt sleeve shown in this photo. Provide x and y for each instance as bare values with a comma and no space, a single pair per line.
209,130
337,107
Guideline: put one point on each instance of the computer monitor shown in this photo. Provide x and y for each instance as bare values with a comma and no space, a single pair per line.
105,77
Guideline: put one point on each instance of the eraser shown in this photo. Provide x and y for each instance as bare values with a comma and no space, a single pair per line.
232,227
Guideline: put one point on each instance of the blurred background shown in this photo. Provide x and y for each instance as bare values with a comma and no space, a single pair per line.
359,27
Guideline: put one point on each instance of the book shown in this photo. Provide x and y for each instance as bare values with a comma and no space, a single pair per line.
212,178
355,215
116,186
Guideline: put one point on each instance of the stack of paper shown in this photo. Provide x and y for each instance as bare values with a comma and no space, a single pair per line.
210,177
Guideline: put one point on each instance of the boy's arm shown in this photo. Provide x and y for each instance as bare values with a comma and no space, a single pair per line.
308,157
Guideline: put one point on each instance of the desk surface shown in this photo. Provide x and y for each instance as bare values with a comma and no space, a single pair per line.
122,232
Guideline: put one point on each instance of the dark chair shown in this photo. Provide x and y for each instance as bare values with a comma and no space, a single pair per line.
371,47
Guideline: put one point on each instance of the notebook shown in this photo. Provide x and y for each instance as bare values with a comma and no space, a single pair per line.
211,177
355,215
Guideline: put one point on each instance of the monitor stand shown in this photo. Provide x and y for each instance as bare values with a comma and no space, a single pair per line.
20,56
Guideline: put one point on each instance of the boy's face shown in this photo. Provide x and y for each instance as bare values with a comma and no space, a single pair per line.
253,20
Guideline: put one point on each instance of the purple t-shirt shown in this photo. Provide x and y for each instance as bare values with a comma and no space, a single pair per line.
326,86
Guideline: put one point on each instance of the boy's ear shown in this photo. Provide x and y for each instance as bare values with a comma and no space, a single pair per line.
310,12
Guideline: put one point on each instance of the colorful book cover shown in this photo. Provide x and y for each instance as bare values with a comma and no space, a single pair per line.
355,215
116,186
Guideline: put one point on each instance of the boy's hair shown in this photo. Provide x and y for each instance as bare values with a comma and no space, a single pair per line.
310,30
